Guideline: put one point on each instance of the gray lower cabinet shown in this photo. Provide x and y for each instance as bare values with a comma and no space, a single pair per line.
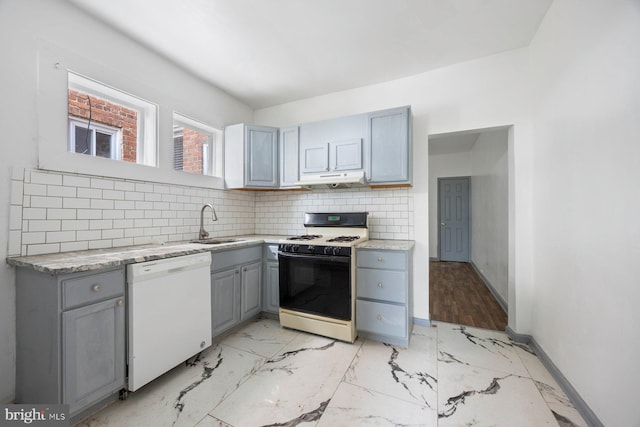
383,303
70,337
236,287
271,290
389,146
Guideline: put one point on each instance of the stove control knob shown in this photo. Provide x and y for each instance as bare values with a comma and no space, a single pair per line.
327,250
295,248
310,249
286,248
336,251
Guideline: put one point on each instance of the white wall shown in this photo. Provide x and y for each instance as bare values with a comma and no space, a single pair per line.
586,61
443,166
490,208
24,26
489,92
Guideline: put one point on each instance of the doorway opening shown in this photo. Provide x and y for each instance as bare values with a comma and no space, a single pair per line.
469,227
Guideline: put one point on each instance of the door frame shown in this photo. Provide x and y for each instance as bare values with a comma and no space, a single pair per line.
468,178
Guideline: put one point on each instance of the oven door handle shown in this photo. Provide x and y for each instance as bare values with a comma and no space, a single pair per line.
342,259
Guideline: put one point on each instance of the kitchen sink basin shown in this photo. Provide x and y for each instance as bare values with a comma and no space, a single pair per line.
214,241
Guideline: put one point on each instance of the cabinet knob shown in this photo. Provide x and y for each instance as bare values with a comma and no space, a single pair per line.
379,285
202,344
237,271
380,259
244,269
379,317
96,288
120,302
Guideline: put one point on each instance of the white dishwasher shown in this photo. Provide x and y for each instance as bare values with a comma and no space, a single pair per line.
169,314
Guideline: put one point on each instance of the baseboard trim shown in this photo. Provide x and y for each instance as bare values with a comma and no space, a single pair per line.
494,292
422,322
581,406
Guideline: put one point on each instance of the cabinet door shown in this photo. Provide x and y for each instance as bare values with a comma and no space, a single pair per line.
315,158
225,301
389,146
271,289
261,166
346,155
251,286
289,157
93,352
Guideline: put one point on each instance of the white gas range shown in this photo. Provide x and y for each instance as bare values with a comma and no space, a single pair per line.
317,274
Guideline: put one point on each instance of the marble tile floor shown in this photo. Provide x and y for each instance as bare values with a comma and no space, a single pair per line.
265,375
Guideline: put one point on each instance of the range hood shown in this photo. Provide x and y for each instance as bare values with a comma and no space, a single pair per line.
334,179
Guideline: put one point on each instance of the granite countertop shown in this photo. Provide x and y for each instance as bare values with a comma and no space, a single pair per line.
96,259
389,245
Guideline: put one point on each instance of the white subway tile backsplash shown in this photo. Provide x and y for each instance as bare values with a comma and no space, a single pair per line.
103,184
60,191
61,236
35,189
73,203
46,178
43,249
101,204
43,225
89,235
89,214
31,238
100,224
75,181
79,224
61,213
15,217
46,202
89,193
74,246
15,243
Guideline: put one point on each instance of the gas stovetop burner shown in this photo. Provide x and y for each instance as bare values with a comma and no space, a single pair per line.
344,239
305,237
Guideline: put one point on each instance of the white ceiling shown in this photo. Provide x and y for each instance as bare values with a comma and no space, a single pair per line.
267,52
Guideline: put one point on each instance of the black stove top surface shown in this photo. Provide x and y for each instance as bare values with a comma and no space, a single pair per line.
344,239
305,237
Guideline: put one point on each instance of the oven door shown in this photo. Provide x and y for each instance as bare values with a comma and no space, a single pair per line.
316,284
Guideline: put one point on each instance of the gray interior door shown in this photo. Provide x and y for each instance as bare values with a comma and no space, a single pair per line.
453,213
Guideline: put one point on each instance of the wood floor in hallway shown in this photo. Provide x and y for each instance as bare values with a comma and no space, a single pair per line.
458,295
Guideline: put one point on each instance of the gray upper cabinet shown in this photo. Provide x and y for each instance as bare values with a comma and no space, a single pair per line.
251,156
389,146
289,157
332,145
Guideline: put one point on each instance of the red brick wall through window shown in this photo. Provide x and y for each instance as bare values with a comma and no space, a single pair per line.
192,142
110,114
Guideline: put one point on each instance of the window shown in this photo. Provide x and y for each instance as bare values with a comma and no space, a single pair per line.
197,147
95,140
105,122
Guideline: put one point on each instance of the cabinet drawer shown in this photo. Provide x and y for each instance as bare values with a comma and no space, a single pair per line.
271,252
226,259
91,288
382,259
380,318
386,285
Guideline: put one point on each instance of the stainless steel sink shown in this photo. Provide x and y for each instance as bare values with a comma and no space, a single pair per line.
214,241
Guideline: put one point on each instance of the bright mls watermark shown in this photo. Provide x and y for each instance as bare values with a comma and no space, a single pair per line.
34,415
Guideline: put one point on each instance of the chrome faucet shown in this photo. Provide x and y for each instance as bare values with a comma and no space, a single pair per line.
203,233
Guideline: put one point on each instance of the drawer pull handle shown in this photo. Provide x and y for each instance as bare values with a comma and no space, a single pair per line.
379,285
96,288
380,259
120,302
379,317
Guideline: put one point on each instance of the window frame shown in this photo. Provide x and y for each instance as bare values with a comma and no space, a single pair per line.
214,167
115,133
146,138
